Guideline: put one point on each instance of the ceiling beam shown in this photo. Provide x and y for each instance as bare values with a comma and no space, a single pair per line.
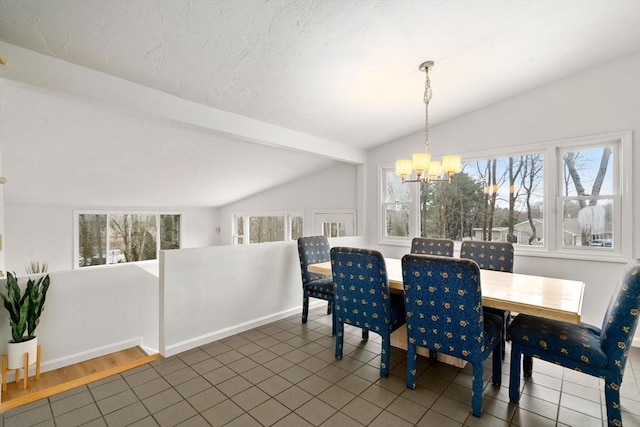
53,74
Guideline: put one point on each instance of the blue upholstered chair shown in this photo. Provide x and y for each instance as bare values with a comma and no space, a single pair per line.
443,301
312,250
496,256
441,247
363,298
428,246
600,352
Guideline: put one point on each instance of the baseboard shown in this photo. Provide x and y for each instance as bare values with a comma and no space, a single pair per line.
71,359
195,342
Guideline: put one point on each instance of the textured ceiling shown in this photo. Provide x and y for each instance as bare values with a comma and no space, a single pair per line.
344,71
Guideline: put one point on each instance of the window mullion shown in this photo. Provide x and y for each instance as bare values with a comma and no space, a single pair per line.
158,235
108,242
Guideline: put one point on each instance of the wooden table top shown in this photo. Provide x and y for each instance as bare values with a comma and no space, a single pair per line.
547,297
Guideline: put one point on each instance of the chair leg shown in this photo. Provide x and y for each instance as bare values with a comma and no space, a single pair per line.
305,306
385,355
411,366
476,390
339,339
333,317
329,307
527,366
514,375
365,334
497,365
612,397
433,356
504,337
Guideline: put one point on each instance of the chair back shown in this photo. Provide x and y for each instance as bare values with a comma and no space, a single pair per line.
496,256
440,247
361,288
312,250
621,319
443,304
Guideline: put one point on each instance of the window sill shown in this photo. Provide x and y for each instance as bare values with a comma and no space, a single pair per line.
573,255
142,264
400,241
523,251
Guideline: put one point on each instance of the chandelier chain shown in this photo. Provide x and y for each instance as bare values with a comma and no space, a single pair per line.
427,98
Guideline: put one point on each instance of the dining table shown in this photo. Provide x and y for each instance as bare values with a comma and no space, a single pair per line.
548,297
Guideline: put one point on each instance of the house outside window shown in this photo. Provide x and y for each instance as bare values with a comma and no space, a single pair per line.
572,198
106,238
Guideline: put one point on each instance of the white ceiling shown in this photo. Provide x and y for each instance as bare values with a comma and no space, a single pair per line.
340,75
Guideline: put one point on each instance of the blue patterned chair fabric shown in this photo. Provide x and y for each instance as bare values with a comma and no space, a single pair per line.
600,352
428,246
496,256
312,250
441,247
363,298
443,302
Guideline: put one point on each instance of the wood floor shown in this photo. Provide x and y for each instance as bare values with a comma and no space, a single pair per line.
66,378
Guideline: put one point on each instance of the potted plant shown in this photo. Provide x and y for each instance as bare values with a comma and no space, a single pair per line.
24,315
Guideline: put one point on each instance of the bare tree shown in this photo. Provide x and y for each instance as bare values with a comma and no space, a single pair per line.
514,170
492,183
573,170
570,161
531,174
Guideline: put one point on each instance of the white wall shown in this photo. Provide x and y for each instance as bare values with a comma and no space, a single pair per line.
93,312
210,293
334,188
2,236
45,233
601,100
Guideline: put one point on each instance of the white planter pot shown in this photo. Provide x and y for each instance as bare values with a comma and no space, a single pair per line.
16,351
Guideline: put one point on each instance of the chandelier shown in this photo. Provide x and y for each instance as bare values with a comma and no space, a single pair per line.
427,170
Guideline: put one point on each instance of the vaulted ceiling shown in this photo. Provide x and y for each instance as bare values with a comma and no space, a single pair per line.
201,103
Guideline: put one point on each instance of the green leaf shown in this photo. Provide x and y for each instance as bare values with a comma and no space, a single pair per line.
18,328
25,308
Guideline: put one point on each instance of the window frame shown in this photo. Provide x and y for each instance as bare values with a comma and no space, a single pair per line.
108,213
622,197
552,202
287,215
345,216
414,220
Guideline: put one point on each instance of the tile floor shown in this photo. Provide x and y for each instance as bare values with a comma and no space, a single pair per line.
285,374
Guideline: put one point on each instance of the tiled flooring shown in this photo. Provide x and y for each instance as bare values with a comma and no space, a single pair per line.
285,374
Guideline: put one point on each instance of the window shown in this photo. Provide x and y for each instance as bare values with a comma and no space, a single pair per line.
296,227
333,229
265,228
116,238
572,198
588,196
497,199
334,222
396,205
